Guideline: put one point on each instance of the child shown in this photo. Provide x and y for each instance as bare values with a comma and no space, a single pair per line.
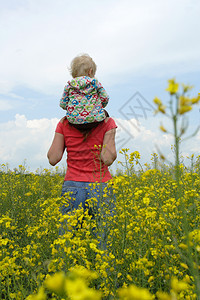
84,97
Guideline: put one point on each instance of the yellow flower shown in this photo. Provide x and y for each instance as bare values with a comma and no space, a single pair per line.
119,275
93,246
28,194
161,108
13,295
134,293
39,296
56,282
81,272
151,278
134,155
186,87
162,157
195,100
146,200
124,150
129,277
178,286
184,265
172,87
187,279
183,109
163,128
78,290
183,246
157,101
184,101
163,296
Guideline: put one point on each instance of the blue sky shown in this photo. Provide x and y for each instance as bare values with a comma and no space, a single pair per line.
137,47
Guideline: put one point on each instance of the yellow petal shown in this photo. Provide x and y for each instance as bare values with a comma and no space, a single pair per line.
184,101
157,101
195,100
177,285
161,108
55,283
186,87
172,87
163,128
183,109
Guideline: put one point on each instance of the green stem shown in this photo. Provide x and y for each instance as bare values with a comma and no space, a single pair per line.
126,163
177,162
190,259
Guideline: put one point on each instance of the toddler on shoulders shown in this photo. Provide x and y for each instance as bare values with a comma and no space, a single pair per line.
84,98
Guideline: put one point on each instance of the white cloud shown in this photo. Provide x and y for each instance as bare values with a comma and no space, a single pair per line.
30,140
146,138
194,147
26,140
41,38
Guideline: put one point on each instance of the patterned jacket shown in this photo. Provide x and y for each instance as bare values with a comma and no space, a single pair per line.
84,99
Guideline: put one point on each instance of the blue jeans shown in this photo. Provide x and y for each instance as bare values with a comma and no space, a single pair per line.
80,191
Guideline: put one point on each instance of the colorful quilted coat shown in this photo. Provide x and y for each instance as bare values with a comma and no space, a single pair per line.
84,99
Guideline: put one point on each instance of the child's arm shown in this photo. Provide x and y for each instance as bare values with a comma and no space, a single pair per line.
102,94
65,99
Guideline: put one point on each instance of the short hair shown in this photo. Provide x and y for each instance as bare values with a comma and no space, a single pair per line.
81,65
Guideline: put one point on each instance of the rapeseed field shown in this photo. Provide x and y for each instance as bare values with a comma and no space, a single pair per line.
144,242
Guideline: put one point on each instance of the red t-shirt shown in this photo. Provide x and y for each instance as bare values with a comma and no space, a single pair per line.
83,157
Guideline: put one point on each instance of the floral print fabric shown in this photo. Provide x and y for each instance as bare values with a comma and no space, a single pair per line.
84,99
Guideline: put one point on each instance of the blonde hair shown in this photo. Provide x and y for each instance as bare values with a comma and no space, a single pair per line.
82,65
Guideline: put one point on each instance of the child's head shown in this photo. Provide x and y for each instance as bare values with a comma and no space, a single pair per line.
83,65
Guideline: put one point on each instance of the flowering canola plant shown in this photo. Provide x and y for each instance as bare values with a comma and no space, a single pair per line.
138,247
143,243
